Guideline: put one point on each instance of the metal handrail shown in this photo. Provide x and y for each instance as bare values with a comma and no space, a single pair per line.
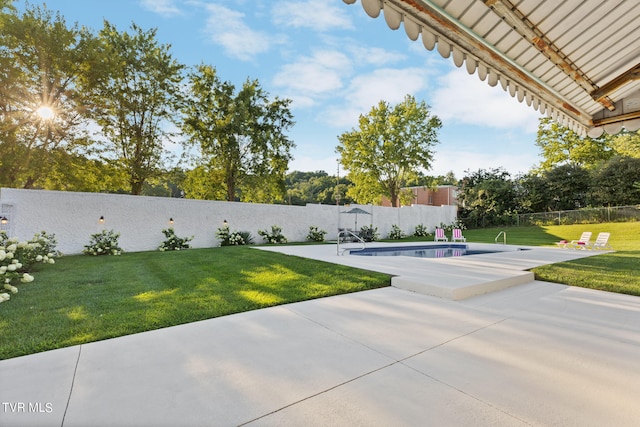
504,237
340,233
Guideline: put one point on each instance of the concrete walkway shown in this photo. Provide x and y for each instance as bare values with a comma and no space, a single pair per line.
532,354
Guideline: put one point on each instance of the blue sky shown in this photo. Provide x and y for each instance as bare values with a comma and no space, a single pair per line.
335,63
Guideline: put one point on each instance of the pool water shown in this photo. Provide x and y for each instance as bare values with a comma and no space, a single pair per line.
430,251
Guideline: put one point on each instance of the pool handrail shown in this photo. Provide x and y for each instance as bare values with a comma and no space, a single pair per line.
504,237
348,232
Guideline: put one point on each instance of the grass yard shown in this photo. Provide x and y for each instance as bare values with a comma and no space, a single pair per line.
615,272
82,298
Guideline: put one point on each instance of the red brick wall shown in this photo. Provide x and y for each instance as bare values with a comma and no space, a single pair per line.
441,196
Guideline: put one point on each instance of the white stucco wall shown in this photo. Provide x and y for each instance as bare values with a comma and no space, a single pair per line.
73,217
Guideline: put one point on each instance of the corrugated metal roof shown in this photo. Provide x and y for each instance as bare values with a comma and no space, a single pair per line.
577,61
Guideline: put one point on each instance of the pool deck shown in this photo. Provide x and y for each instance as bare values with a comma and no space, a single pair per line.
535,354
454,278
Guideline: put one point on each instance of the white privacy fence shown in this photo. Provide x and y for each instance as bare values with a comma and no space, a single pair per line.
74,216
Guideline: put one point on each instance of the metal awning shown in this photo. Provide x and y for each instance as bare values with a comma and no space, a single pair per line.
577,61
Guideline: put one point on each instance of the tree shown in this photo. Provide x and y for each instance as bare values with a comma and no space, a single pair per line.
568,187
627,144
617,182
560,145
135,92
241,135
532,192
315,187
487,197
75,172
390,147
204,183
42,108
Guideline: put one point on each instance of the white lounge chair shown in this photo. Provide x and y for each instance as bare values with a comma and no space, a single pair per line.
440,237
582,242
601,242
457,236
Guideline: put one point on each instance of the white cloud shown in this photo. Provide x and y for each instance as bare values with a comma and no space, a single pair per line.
227,28
465,99
312,76
162,7
319,15
376,56
366,91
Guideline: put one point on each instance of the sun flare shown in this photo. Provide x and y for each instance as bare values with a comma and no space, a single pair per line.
45,112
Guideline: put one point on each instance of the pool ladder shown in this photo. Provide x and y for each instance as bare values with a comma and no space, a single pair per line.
348,233
504,237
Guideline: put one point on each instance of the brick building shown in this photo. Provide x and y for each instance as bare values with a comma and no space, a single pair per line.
442,195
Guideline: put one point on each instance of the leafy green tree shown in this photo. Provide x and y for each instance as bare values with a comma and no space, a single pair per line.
204,183
448,179
135,90
170,183
487,197
568,187
617,182
390,147
560,145
532,193
75,172
316,187
42,65
627,144
241,135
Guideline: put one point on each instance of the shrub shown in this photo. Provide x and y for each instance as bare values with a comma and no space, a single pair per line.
316,235
455,224
275,236
396,233
369,234
16,257
40,249
103,243
421,231
173,242
235,238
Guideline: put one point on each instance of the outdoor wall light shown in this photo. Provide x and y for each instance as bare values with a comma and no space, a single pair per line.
101,220
225,223
4,220
170,220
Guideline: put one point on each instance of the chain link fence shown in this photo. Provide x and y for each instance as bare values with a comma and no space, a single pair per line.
580,216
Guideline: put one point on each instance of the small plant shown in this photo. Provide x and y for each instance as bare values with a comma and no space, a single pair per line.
40,249
421,231
315,234
396,233
235,238
369,234
16,257
274,237
173,242
103,243
455,224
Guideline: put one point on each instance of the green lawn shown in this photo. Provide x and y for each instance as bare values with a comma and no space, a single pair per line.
82,298
614,272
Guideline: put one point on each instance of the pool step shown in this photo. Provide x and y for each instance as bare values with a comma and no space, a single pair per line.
460,284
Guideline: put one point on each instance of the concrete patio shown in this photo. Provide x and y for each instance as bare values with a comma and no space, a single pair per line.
531,354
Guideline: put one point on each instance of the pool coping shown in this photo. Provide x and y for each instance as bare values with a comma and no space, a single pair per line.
453,278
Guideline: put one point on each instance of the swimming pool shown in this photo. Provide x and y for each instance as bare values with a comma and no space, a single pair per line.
426,251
